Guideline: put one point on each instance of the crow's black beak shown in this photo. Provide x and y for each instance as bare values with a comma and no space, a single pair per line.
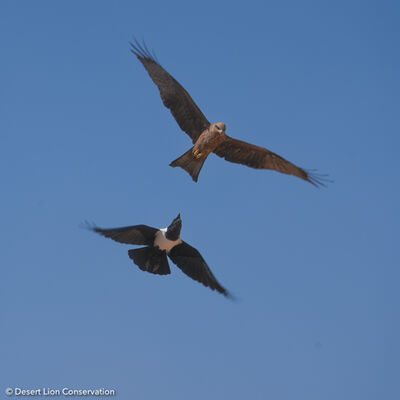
174,229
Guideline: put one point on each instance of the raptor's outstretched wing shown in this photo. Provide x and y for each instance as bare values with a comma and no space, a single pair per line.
240,152
190,261
185,111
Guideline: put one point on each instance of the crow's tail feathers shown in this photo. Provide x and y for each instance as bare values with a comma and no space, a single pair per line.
150,259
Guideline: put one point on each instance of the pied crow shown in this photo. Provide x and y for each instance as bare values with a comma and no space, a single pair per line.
161,243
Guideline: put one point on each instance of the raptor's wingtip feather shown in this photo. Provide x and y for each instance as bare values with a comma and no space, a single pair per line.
90,226
318,180
141,50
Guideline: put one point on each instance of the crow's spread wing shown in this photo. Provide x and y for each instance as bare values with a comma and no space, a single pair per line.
137,234
190,261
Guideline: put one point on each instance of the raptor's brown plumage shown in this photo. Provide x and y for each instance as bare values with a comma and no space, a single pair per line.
185,111
207,137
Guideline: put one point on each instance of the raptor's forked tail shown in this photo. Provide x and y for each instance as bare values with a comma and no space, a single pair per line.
190,164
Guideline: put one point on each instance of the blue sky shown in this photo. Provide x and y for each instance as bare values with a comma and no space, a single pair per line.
84,136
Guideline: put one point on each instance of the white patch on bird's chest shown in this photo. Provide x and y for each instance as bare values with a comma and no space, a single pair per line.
163,243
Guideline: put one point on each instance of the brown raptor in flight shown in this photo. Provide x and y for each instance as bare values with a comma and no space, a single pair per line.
206,137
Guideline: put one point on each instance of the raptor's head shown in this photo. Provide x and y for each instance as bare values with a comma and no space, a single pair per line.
219,127
174,230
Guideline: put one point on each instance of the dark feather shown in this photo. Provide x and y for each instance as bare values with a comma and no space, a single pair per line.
240,152
137,234
190,261
151,260
185,111
190,164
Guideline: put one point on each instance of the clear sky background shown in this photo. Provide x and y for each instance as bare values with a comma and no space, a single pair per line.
84,136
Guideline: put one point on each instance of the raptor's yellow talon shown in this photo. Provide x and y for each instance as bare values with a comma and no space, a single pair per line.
197,154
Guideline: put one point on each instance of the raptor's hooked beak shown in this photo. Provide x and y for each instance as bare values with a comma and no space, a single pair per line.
220,127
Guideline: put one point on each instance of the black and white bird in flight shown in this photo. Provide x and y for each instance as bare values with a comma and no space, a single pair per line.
161,243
